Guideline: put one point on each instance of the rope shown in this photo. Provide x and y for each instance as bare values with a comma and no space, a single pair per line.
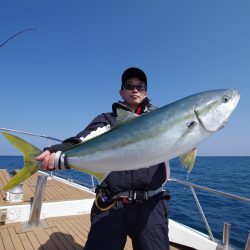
103,209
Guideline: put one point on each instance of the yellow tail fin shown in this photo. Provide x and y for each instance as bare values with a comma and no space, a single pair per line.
30,164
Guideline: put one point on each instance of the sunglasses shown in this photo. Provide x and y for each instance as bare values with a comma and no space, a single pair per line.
131,86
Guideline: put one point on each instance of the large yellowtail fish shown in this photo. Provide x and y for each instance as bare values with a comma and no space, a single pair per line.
137,142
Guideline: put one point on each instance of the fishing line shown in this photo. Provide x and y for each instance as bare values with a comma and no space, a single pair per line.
18,33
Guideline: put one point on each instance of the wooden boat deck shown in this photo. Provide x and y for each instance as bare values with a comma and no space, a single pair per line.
61,233
68,232
55,190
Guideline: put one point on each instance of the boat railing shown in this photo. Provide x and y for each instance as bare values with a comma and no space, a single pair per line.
192,186
227,226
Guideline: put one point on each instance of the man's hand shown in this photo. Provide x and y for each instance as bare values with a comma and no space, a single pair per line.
47,160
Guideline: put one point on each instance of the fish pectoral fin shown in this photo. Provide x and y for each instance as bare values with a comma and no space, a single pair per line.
30,164
187,160
124,116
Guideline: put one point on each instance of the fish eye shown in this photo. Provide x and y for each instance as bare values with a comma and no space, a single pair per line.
226,98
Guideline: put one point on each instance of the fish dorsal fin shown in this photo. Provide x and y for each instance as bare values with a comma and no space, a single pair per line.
188,159
124,116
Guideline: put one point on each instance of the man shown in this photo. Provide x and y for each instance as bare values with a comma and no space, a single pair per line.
128,203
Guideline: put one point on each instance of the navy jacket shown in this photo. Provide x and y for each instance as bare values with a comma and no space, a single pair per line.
144,179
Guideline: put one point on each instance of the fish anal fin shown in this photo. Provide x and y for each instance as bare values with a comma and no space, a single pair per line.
187,160
99,175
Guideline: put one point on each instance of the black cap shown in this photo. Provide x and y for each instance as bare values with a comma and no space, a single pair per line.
134,72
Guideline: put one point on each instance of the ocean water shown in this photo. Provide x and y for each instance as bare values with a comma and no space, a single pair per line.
228,174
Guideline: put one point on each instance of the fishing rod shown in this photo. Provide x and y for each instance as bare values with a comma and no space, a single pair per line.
19,33
32,134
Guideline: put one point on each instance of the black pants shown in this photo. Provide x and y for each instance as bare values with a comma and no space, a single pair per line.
145,223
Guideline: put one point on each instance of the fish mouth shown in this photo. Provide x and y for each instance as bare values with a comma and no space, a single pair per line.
236,98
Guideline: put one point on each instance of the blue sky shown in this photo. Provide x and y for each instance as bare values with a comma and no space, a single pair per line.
55,81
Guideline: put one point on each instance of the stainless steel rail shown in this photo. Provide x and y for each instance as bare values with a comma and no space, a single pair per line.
210,190
226,234
247,247
38,200
226,230
202,214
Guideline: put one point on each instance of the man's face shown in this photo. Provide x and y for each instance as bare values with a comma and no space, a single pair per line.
133,92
